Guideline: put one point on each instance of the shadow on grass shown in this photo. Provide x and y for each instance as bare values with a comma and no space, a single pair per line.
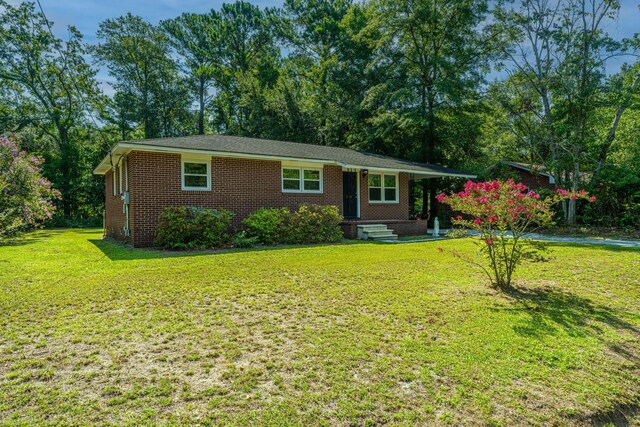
595,246
28,239
39,235
116,251
550,309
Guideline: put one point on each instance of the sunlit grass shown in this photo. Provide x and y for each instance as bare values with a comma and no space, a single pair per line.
350,334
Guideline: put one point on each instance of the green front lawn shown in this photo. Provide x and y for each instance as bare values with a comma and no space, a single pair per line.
350,334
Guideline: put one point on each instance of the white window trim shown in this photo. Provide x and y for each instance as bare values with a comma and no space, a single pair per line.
201,160
382,188
301,169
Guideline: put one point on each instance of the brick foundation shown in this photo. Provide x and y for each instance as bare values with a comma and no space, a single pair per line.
400,227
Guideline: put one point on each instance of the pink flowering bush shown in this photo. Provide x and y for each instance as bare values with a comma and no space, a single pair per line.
25,196
501,214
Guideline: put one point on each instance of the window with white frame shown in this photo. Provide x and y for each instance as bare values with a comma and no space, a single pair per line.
383,188
196,174
301,180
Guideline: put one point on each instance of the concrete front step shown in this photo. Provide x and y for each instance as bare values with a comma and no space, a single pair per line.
372,227
375,232
389,236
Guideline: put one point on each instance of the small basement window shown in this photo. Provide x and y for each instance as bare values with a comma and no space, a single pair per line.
383,188
301,180
196,175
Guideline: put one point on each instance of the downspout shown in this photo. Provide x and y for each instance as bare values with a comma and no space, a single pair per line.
125,197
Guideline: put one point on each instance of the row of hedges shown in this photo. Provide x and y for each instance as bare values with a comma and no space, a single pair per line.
191,228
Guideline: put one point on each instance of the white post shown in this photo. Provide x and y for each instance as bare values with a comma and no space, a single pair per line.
436,227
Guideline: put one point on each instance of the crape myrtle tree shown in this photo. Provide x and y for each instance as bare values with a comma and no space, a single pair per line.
25,195
51,90
502,213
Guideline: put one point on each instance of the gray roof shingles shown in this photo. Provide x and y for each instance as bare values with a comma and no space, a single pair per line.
294,150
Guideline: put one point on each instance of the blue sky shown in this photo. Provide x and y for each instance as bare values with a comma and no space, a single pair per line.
87,14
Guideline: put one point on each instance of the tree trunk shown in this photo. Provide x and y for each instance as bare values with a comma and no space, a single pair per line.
412,198
572,205
429,202
201,90
65,169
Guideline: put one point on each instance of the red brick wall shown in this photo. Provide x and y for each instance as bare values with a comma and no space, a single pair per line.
533,181
114,214
398,210
239,185
409,228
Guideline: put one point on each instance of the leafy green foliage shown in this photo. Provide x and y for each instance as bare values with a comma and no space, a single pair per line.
25,196
189,227
553,100
315,224
309,224
268,226
150,91
198,39
241,240
403,78
53,89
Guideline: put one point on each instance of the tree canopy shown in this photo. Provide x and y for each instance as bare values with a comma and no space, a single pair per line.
461,83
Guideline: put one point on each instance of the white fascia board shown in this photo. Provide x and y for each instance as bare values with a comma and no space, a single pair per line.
140,147
430,174
105,165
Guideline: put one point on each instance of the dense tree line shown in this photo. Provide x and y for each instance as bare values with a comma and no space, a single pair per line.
462,83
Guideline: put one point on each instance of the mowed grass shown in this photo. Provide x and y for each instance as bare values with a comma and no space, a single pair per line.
352,334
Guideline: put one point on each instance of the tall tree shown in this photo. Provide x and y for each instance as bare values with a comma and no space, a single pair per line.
624,93
249,67
559,51
137,55
52,86
198,40
328,59
438,49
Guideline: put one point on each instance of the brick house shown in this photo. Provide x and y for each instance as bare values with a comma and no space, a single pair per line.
533,176
245,174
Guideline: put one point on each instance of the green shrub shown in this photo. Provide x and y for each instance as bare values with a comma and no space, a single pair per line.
242,241
315,224
268,226
309,224
189,227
